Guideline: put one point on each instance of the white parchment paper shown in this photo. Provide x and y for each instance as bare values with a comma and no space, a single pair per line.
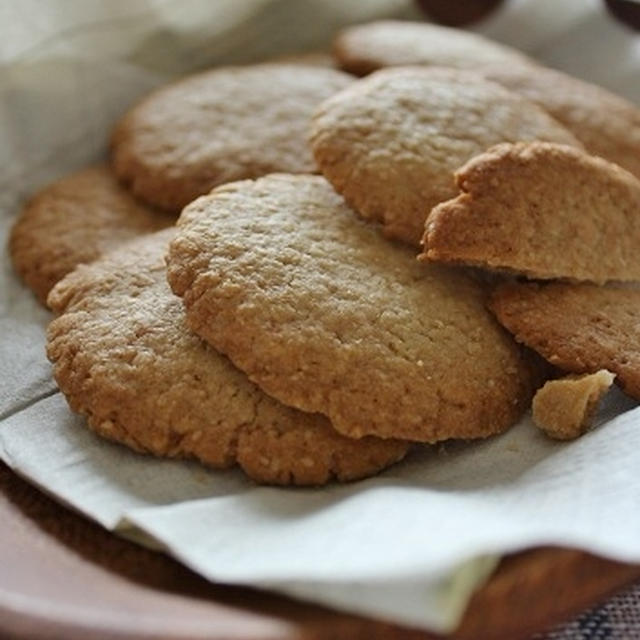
410,545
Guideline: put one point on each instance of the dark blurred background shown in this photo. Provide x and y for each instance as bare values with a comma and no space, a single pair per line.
465,12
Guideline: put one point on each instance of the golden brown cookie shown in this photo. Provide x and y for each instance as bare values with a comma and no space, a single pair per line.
221,125
364,48
606,124
125,359
578,328
542,210
391,142
73,221
326,315
564,408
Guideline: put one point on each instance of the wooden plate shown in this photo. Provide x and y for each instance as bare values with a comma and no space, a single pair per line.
63,576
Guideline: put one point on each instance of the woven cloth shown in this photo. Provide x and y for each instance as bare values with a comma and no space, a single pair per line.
616,619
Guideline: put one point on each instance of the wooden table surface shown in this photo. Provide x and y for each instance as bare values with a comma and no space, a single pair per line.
62,576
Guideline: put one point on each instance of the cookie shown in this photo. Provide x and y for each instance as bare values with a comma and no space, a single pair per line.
578,328
309,58
73,221
542,210
327,316
125,359
564,408
218,126
606,124
391,142
364,48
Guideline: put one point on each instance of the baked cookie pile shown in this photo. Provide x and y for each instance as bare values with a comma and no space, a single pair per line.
314,327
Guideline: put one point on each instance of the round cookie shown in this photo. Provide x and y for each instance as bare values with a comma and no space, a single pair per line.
326,315
543,210
391,142
606,124
124,358
73,221
364,48
220,125
577,328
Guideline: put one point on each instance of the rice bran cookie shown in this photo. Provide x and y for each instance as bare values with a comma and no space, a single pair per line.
309,58
390,142
579,328
124,358
542,210
327,316
564,408
364,48
73,221
218,126
606,124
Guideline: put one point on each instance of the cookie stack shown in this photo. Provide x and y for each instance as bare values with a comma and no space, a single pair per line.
284,323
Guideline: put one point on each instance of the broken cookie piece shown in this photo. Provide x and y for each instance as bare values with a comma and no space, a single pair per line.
542,210
564,408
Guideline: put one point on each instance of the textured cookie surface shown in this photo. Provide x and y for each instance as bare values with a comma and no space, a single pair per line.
73,221
391,142
367,47
564,408
326,315
578,328
124,357
218,126
606,124
544,210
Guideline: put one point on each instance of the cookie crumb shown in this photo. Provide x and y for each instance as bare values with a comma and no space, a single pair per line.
564,408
